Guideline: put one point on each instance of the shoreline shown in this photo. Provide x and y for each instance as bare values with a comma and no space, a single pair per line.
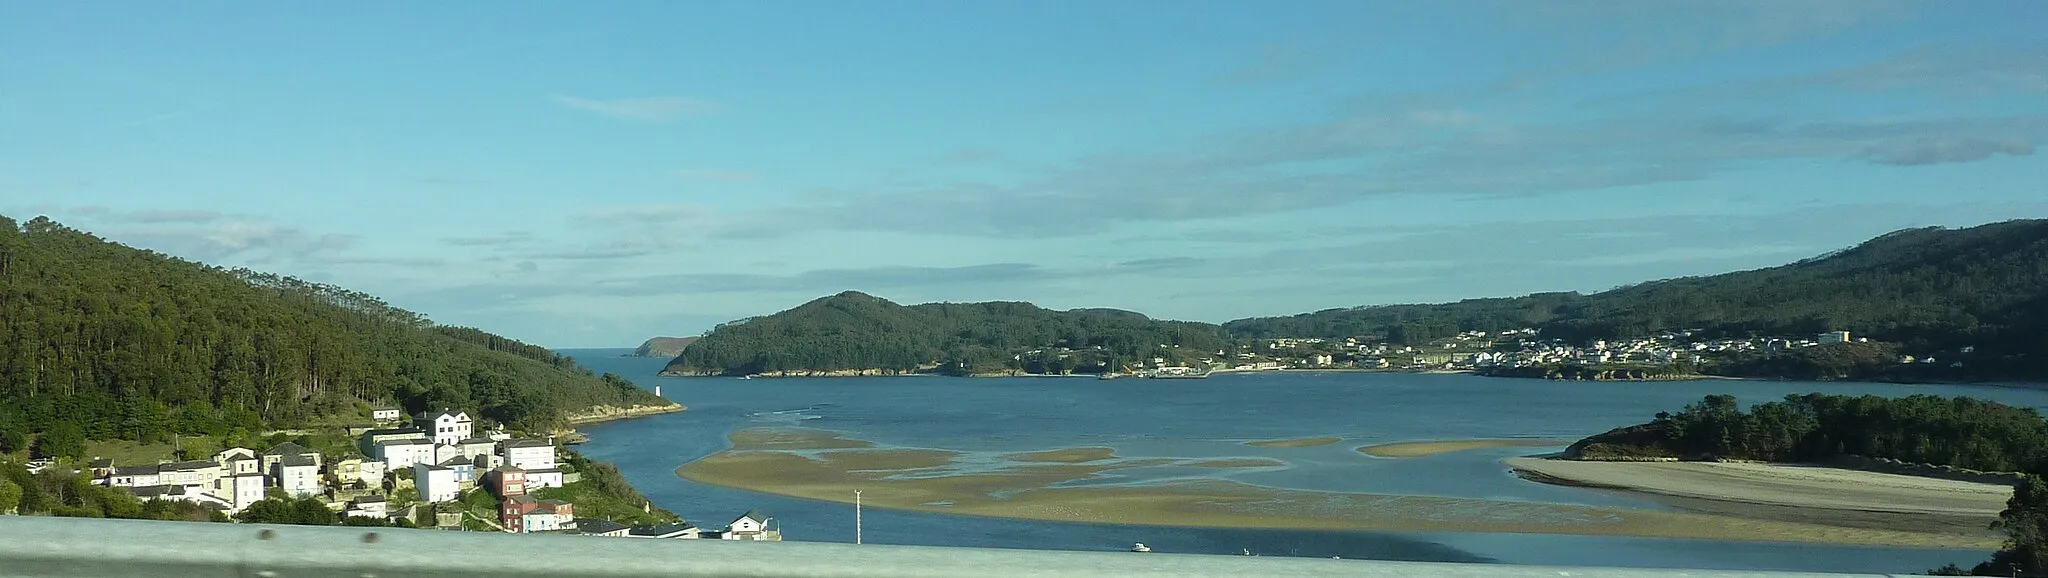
608,413
950,482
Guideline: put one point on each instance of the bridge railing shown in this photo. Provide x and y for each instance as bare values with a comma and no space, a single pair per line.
75,547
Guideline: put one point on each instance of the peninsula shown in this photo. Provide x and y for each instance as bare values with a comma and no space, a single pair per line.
667,347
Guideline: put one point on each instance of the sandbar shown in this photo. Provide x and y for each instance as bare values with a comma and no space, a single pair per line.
1419,449
1039,491
1065,456
1295,443
1809,487
1238,463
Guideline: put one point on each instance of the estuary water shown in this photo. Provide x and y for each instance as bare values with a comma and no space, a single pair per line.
1213,418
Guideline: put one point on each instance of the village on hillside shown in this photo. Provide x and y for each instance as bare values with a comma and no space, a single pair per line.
430,470
1484,351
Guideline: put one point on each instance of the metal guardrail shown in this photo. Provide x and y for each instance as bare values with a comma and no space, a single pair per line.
75,547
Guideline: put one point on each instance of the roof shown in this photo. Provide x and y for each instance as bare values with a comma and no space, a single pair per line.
177,466
395,431
431,467
593,526
544,471
660,531
445,412
476,441
384,408
296,461
240,458
507,470
406,442
370,499
526,443
135,470
103,463
753,515
456,461
288,448
157,491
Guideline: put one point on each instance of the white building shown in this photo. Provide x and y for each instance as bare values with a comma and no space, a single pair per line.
543,478
239,490
386,414
368,507
446,427
436,483
133,477
750,526
529,454
403,453
298,476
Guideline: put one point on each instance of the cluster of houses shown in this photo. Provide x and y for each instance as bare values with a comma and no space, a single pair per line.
442,451
1521,348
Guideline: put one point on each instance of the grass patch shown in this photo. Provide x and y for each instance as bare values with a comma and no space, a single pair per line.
593,503
129,453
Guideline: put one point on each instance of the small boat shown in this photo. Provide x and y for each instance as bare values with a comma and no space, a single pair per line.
1140,547
1108,376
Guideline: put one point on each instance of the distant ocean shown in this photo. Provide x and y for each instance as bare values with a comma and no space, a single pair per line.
1211,418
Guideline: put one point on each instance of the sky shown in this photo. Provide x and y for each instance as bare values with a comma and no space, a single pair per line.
594,174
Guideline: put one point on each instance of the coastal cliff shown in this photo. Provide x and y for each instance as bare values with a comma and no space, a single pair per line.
668,347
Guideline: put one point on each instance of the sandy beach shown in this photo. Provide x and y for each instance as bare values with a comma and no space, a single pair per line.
933,480
1809,487
1419,449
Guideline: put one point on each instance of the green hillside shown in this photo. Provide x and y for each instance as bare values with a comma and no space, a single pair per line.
1927,289
856,331
124,343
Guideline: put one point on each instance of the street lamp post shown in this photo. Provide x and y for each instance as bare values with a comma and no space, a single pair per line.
856,517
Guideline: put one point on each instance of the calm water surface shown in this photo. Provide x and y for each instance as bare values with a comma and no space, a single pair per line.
1212,418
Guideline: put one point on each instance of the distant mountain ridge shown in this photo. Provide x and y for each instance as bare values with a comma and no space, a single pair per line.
853,332
1926,288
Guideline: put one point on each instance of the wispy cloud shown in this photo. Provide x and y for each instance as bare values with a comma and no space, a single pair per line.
717,176
1936,151
513,238
653,108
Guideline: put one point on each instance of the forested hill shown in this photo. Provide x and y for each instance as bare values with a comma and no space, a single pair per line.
856,331
1925,288
129,343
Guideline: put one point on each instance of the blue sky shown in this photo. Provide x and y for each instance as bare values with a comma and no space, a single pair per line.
592,174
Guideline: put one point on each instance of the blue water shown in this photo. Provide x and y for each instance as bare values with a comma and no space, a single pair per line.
1212,418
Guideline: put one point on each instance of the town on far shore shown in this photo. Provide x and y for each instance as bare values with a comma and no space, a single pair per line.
428,470
1514,353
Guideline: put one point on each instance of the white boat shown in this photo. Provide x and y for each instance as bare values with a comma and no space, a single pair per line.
1140,547
1107,376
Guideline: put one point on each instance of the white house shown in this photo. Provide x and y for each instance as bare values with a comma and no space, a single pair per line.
460,464
298,476
529,454
474,448
239,490
283,450
750,526
446,427
403,453
133,476
386,414
367,507
177,493
543,478
436,483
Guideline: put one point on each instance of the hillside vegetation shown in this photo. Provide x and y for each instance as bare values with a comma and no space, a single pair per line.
663,347
1925,289
111,342
856,331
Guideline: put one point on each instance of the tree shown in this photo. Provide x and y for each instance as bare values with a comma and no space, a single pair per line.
65,439
10,496
12,439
